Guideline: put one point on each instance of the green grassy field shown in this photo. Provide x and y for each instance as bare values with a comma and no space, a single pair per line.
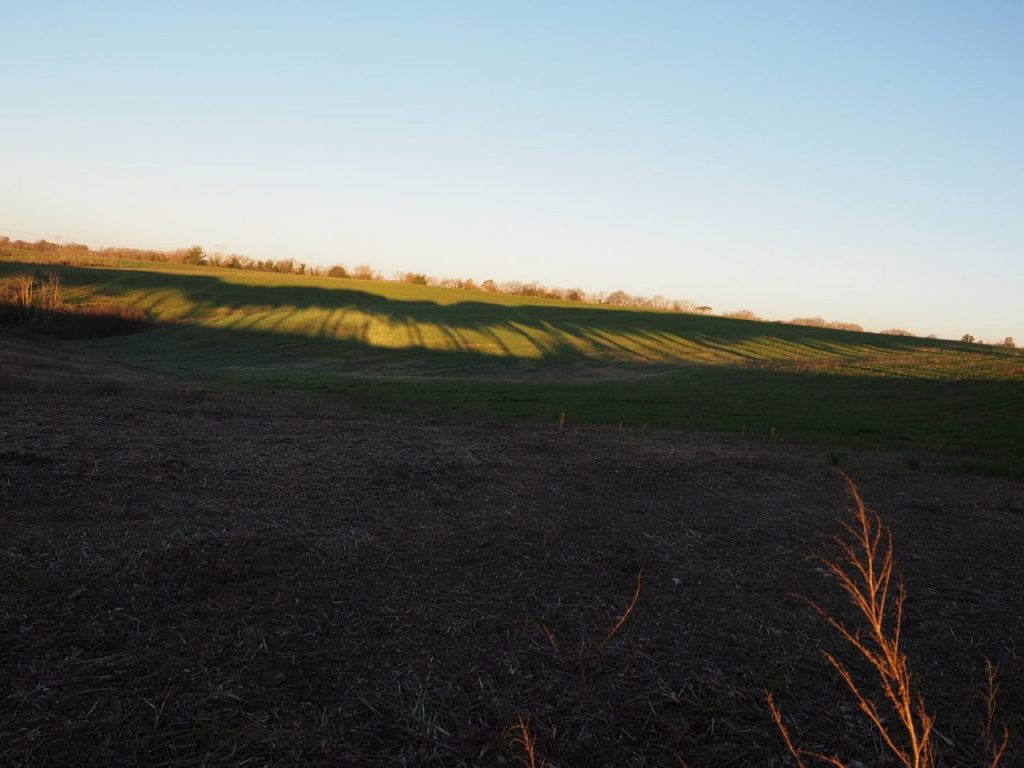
451,353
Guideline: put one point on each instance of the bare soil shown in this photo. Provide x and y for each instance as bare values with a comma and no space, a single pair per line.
188,580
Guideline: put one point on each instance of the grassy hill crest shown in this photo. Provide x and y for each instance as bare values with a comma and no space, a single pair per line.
454,353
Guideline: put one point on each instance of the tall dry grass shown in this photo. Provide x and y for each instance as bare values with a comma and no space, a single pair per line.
38,303
27,298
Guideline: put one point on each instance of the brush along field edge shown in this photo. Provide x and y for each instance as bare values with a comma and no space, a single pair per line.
865,572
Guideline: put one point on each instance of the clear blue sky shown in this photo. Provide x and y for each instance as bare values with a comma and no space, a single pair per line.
860,161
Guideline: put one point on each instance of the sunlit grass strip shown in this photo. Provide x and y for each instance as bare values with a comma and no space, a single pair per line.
393,316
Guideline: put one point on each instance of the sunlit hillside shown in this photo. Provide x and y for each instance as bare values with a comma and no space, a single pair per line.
228,318
417,349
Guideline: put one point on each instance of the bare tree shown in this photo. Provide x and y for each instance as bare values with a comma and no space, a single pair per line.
741,314
842,326
363,272
813,322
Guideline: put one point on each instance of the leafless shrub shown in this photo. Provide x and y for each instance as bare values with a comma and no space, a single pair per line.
742,314
811,322
363,272
839,325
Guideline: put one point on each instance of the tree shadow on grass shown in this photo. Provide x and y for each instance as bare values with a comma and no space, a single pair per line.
371,314
974,418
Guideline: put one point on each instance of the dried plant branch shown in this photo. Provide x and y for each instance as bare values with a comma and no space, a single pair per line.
995,746
551,639
626,614
798,753
866,572
784,731
583,654
520,741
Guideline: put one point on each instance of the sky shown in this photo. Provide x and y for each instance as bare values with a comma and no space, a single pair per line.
859,161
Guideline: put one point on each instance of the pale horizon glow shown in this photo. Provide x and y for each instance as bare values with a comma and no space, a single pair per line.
860,162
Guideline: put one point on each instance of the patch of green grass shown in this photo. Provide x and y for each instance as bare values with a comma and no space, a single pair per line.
981,419
344,326
400,348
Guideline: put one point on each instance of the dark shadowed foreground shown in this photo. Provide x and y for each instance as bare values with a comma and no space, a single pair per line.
186,581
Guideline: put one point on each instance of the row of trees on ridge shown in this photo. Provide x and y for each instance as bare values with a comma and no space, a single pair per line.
78,253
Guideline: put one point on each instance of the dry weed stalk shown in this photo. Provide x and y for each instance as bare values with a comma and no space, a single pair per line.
553,641
865,573
30,297
625,615
519,739
995,746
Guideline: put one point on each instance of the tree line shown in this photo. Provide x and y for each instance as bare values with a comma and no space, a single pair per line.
81,254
